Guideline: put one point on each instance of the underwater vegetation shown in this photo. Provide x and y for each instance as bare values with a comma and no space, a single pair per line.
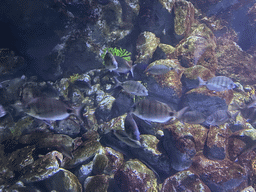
117,52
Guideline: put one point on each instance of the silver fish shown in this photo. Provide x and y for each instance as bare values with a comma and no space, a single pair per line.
132,87
192,117
219,83
2,111
110,62
220,117
123,136
158,69
131,128
153,110
124,66
51,109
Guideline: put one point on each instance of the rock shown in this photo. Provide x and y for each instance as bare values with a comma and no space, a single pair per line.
103,111
134,175
180,150
189,77
96,183
197,49
185,181
151,156
248,189
115,160
83,154
122,104
220,175
100,162
115,123
68,127
241,142
165,93
63,143
64,181
156,17
42,168
84,171
204,101
170,79
146,45
233,62
9,63
216,144
184,17
21,158
197,132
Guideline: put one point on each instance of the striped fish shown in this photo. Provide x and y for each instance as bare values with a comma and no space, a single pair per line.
132,87
158,69
192,117
219,83
152,110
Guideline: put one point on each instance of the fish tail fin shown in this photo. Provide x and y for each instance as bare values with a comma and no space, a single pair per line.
78,112
118,83
132,69
179,113
201,81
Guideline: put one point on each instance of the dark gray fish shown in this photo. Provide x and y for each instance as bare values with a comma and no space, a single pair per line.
13,84
192,117
219,117
152,110
2,111
124,137
51,109
158,69
124,66
132,87
110,62
219,83
131,128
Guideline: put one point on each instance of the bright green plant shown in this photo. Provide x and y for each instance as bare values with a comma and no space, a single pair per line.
117,52
74,77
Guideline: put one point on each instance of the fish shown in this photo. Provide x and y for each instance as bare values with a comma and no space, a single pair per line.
51,109
158,69
192,117
220,117
2,111
155,111
132,87
13,84
124,66
123,136
131,127
219,83
110,62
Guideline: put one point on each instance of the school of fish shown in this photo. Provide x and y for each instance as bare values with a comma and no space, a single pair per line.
51,109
